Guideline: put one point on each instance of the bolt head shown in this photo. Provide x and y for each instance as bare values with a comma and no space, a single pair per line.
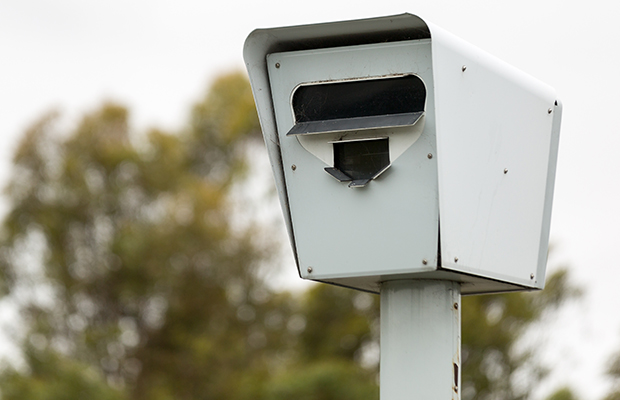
505,170
309,270
463,68
429,156
549,111
293,167
425,261
277,65
456,259
531,276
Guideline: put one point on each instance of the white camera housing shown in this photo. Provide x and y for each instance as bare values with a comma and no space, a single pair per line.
402,152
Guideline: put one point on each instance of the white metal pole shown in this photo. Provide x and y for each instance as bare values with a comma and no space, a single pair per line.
420,340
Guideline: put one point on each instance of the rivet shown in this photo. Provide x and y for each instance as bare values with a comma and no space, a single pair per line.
425,261
456,306
456,259
463,68
293,167
505,170
309,270
549,111
531,276
277,65
429,156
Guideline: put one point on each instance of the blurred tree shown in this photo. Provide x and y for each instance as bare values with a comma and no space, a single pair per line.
324,380
333,348
53,377
613,371
125,249
339,323
562,394
135,281
493,365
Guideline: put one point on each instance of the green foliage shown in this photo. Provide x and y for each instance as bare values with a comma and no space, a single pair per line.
330,332
329,380
147,281
339,323
614,367
562,394
491,328
54,377
613,371
220,125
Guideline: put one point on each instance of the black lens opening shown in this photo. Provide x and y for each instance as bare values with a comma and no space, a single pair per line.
360,98
364,159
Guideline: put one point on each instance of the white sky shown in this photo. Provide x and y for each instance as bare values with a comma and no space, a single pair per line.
157,57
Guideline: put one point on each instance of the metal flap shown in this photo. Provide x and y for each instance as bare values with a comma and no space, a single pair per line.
355,124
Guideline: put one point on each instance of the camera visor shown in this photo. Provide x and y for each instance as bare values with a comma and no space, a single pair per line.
358,104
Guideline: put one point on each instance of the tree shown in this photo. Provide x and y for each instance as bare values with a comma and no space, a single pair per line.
52,377
491,328
562,394
613,372
334,329
146,280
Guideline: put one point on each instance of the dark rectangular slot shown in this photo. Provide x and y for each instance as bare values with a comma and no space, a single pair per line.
362,160
358,104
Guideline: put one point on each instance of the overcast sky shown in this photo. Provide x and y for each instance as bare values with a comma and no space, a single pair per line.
158,56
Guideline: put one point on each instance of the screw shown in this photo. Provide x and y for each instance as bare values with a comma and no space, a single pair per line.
429,156
277,65
463,68
532,276
309,270
456,259
505,170
456,306
293,167
424,261
549,111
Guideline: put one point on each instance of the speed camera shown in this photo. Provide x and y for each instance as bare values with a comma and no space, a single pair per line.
402,152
